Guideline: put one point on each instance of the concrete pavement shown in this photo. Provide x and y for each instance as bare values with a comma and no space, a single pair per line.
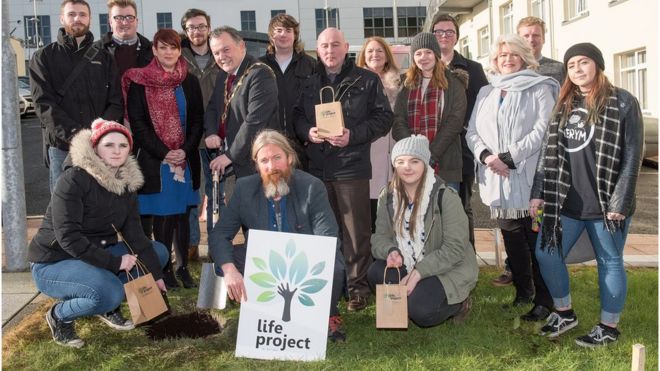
20,297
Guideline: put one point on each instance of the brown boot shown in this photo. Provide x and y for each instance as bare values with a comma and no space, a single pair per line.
193,253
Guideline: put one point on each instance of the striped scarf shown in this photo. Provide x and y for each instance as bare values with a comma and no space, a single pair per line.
557,181
424,112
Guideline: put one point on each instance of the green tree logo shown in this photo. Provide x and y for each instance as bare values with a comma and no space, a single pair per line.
274,276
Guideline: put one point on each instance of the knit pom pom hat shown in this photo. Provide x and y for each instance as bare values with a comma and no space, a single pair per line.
101,127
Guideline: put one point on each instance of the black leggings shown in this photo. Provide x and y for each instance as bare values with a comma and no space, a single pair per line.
427,304
169,229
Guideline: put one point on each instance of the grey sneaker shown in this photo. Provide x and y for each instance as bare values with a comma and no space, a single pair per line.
115,320
64,333
598,336
557,325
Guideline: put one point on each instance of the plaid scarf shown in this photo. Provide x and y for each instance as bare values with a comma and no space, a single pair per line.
159,88
557,181
424,112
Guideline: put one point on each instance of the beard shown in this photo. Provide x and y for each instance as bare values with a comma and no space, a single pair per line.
80,30
276,183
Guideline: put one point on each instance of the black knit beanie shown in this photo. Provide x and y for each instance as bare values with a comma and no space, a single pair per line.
425,40
588,50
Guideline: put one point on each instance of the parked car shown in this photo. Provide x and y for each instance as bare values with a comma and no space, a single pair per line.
651,137
25,104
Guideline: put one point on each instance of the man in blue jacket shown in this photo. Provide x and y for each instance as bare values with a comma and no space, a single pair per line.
278,198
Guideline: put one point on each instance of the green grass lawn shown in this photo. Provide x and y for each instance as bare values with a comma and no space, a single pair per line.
491,339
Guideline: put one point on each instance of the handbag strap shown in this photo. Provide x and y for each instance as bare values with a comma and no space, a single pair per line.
139,264
90,54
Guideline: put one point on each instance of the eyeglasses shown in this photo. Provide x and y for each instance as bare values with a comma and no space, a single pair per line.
445,33
200,28
124,18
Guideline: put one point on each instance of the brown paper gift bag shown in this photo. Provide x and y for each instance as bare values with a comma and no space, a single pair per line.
329,116
143,296
391,304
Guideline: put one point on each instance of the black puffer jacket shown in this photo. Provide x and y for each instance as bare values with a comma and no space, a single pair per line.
622,199
149,148
367,115
88,200
96,92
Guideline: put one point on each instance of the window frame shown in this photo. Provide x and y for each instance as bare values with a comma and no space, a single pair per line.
248,20
639,90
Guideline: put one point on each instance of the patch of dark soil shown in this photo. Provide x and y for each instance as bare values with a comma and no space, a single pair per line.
191,325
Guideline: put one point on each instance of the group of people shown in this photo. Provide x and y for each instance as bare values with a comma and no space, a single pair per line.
182,107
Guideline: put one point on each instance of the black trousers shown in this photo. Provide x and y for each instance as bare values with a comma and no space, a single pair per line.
427,304
465,192
173,231
520,243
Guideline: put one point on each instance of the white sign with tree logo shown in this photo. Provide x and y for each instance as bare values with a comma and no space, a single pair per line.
288,279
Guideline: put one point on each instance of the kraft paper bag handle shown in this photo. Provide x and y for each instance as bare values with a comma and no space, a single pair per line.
321,93
139,265
385,273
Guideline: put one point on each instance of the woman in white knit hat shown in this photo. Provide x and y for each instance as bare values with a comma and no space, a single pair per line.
421,228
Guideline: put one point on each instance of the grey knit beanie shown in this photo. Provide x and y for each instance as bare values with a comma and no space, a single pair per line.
415,145
588,50
425,40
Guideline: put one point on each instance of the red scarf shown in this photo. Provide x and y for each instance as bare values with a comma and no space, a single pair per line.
159,88
424,112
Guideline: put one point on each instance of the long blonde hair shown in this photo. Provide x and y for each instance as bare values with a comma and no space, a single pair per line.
396,185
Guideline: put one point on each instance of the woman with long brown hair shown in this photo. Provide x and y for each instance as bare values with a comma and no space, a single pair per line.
432,103
377,56
165,110
585,179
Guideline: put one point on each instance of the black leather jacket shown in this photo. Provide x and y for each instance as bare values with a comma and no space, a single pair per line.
623,199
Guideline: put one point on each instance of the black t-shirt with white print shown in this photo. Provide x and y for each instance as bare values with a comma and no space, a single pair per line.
582,199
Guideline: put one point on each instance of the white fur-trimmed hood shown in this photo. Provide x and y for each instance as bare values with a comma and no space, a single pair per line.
128,178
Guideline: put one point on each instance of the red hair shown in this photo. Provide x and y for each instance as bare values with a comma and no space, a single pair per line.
167,36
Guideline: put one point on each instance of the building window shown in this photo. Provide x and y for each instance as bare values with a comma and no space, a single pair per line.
275,12
378,22
42,27
411,20
574,8
464,47
484,41
506,18
163,20
632,72
326,18
538,9
104,26
248,20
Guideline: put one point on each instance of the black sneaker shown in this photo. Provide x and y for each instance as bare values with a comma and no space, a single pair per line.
115,320
64,333
184,275
538,313
336,331
557,325
598,336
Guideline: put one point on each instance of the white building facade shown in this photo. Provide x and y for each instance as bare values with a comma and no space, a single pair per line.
625,30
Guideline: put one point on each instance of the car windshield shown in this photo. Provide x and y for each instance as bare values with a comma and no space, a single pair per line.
23,85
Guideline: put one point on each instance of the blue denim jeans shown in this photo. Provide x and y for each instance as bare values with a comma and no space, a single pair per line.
86,290
608,248
56,158
455,185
